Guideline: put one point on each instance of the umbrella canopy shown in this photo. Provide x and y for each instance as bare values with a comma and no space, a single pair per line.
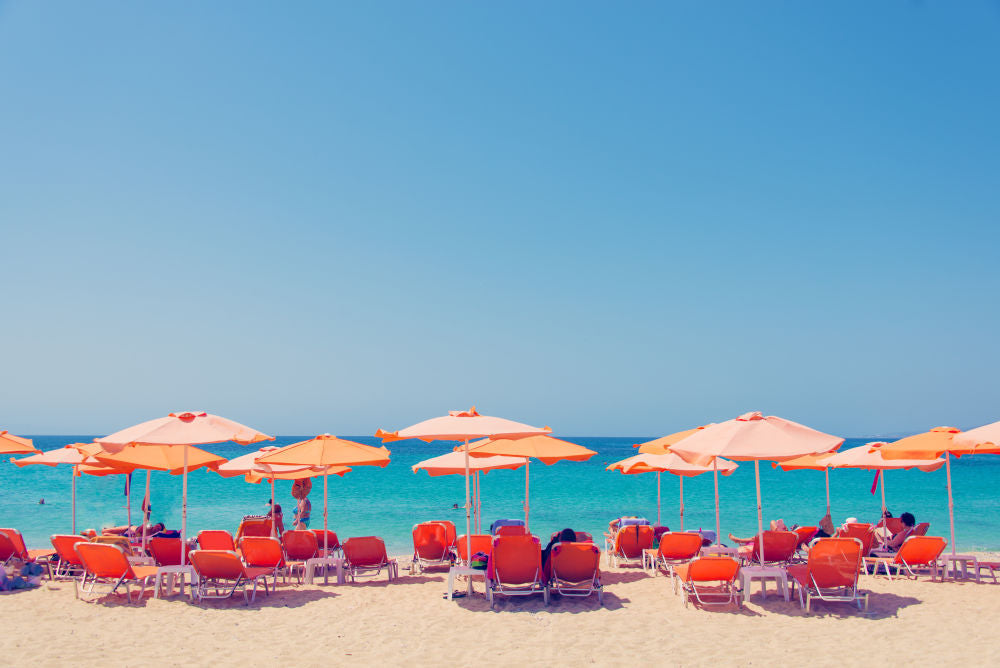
671,463
754,437
461,426
871,457
15,445
661,446
985,439
327,450
248,464
541,447
159,458
453,463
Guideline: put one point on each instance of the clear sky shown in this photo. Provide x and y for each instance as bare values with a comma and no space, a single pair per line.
611,218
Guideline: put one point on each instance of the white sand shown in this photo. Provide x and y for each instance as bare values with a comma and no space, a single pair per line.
642,623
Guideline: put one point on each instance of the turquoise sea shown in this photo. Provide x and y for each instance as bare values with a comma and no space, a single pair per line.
388,501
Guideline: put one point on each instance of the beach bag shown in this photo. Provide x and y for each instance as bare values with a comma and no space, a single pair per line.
33,573
479,561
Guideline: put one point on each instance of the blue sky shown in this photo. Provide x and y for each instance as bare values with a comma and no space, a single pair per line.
611,219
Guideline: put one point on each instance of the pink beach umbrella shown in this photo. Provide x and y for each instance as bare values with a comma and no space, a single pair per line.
463,426
453,463
754,437
671,463
183,430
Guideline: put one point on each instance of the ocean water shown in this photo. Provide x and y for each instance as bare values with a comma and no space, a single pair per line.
388,501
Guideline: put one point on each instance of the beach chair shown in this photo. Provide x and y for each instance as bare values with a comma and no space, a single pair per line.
112,539
512,530
221,570
574,569
831,573
366,554
299,546
67,561
480,543
216,539
921,529
914,552
991,568
506,523
333,543
677,548
451,533
805,534
431,546
779,548
711,580
254,526
264,552
165,551
628,543
12,547
107,564
515,568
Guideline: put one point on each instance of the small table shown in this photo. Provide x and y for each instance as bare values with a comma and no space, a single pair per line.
172,572
467,572
960,560
764,573
325,562
649,557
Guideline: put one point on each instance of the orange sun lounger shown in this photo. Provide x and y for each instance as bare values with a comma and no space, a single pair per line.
451,534
677,548
431,546
333,543
107,564
628,543
367,553
779,548
254,526
264,552
165,551
68,562
223,570
710,580
300,546
915,551
216,539
831,573
515,568
12,547
574,569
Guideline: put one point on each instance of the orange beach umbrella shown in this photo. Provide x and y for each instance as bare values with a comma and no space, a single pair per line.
670,463
182,430
542,447
661,445
330,453
15,445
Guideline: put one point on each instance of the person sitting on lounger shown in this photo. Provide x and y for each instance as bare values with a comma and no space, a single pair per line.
564,536
897,539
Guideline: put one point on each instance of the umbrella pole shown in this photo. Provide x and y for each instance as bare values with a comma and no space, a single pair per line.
468,513
479,503
128,498
527,466
145,511
74,497
326,535
951,503
718,524
881,484
681,478
273,528
184,508
657,498
827,472
760,516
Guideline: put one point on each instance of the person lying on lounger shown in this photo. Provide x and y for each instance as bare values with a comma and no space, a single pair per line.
897,539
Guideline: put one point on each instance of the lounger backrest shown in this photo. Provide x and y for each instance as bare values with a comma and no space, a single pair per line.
450,532
713,569
105,560
254,527
480,543
165,551
516,559
835,562
120,541
677,545
7,547
217,564
430,541
262,551
894,524
805,535
632,539
575,562
365,551
65,547
921,529
20,551
779,547
917,550
511,530
863,532
300,545
216,539
332,541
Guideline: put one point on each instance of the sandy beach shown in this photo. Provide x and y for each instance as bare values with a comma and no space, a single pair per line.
409,621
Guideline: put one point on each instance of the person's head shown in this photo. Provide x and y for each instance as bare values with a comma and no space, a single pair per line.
567,536
158,527
908,519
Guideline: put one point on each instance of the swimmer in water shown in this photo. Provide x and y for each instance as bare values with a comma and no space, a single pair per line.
41,502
